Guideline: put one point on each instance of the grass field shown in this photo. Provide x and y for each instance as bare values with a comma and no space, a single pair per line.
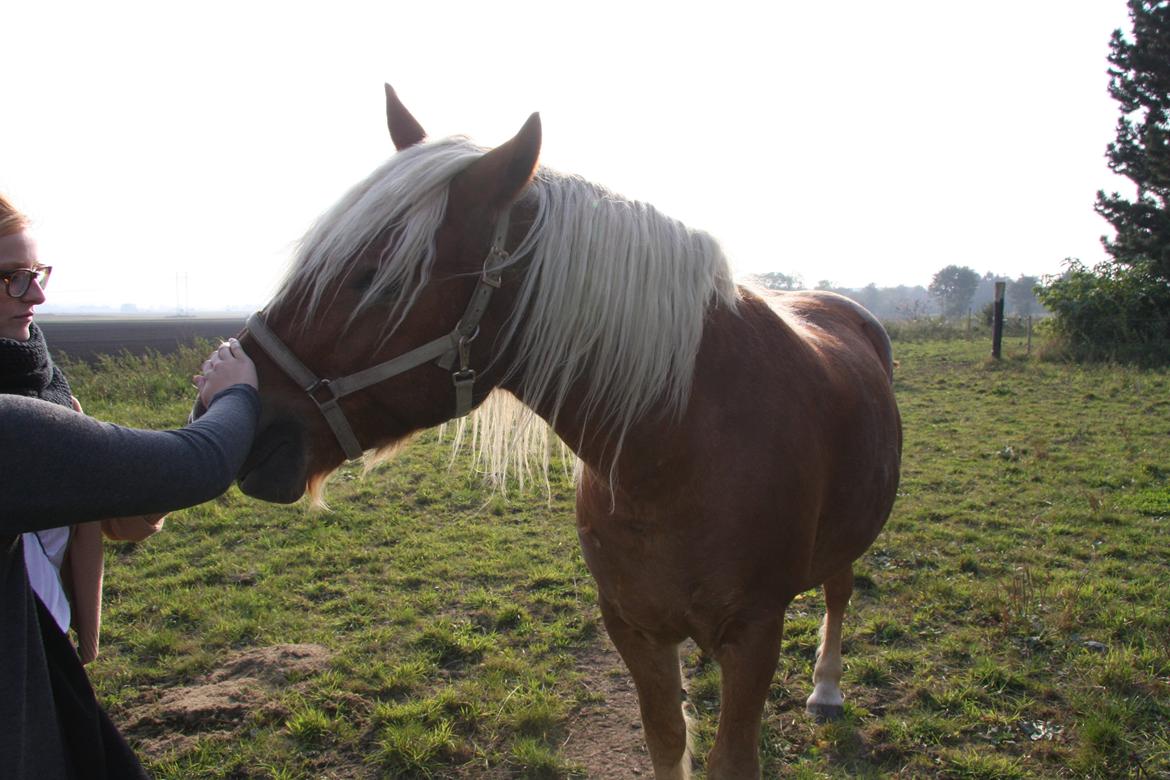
1012,621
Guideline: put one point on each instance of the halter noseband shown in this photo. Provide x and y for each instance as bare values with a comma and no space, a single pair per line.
448,351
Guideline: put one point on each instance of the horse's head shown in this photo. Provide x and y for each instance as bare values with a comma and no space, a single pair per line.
403,271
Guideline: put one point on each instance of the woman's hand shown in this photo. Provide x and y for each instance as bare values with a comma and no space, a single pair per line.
226,366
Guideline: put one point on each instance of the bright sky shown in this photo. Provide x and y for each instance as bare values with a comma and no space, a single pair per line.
171,154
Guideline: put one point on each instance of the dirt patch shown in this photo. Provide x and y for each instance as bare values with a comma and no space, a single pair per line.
223,701
275,665
605,735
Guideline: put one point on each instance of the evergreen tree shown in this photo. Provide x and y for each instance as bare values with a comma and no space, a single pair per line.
1139,80
1121,308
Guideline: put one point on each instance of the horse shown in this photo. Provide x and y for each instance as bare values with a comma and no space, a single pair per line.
736,447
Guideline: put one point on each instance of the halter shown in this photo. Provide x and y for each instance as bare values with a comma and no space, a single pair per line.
446,351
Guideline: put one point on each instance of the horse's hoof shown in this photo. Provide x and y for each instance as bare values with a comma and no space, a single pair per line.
825,712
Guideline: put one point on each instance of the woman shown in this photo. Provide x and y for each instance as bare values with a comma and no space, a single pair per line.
64,564
62,468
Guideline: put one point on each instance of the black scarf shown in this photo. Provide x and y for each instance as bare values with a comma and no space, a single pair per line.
27,369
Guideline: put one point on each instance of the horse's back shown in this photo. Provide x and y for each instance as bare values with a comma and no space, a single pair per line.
819,312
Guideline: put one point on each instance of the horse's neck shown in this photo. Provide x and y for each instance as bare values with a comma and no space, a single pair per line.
583,427
662,442
594,444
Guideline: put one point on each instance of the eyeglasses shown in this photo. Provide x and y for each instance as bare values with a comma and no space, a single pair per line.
17,282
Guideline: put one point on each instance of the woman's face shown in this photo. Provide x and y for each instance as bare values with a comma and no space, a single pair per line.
16,314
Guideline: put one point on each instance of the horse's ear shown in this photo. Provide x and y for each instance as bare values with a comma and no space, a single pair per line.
404,129
495,180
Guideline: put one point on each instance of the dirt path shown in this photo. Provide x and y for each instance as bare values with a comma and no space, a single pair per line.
605,736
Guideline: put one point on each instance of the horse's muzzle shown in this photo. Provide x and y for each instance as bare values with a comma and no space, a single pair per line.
275,469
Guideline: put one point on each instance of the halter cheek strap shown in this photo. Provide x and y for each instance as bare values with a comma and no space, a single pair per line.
451,352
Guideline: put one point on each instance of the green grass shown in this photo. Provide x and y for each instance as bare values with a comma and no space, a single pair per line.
1010,622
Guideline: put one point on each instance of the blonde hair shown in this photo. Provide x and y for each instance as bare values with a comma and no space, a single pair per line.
11,220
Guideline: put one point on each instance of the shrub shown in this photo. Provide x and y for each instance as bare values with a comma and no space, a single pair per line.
1110,313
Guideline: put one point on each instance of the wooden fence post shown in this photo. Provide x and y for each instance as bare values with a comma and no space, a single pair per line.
997,325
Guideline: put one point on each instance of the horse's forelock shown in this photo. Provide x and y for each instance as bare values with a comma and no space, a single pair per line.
399,207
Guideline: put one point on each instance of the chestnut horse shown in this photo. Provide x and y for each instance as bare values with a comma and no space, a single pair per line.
737,447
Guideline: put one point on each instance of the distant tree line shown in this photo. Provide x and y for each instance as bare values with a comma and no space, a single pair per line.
955,292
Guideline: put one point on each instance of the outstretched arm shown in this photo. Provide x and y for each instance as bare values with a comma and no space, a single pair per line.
61,468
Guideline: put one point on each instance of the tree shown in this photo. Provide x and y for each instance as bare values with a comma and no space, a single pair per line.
775,280
1021,294
1120,309
1139,80
955,287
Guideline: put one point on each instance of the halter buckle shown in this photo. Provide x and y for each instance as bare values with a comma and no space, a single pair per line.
500,256
322,385
464,347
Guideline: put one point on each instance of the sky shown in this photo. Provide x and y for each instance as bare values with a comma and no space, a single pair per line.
172,154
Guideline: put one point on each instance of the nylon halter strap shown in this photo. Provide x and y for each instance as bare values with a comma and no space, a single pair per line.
451,352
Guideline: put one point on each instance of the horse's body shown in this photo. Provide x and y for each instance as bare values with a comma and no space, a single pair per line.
765,488
762,462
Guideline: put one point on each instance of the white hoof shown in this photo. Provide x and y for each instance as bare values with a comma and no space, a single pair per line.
826,703
824,712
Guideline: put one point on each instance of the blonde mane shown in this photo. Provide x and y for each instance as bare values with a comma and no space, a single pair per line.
612,299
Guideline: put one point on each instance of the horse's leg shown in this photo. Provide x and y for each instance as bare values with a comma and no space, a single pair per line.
747,656
827,701
658,678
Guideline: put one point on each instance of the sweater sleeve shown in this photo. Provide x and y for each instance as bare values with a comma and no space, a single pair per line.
61,468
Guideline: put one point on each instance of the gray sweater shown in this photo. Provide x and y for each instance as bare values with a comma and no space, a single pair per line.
58,468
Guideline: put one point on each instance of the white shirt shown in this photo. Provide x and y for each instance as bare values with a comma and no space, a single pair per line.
44,552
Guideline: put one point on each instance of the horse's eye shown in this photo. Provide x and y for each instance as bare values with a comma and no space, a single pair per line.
362,281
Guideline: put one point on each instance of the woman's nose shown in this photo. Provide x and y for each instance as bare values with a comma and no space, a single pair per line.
35,293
